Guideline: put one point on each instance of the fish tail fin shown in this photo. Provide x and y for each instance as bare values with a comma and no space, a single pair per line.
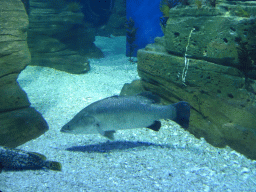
182,113
53,165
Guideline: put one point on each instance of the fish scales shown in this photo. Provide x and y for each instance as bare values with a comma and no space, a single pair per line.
16,160
108,115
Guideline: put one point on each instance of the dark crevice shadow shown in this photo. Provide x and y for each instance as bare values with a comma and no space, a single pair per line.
22,169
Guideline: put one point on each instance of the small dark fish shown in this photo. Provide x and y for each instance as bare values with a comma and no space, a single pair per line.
126,112
18,160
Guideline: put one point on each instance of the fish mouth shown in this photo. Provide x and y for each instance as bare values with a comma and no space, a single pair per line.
69,131
64,130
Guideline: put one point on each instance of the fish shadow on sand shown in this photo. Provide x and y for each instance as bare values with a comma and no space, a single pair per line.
114,146
23,169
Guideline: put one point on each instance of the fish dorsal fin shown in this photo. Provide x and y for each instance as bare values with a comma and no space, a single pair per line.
106,99
38,155
150,97
114,96
155,126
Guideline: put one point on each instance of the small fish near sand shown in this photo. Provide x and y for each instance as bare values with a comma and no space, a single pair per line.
114,113
18,160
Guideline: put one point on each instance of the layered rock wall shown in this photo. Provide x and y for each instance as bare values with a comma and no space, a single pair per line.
59,38
18,121
206,58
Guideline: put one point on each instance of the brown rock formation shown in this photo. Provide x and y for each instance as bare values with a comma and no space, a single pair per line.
59,38
116,22
216,78
18,122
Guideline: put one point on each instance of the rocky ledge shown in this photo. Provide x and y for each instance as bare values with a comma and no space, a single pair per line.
207,58
18,121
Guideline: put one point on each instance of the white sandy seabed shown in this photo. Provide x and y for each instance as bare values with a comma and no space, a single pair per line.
138,160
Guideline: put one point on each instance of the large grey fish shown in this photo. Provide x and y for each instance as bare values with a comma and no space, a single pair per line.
17,160
126,112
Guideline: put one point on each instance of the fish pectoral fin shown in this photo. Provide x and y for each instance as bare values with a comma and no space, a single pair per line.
155,126
109,135
100,130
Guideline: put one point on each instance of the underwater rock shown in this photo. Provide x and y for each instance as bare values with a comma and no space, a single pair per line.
222,97
216,35
116,21
243,139
21,125
133,88
215,92
18,122
12,96
59,38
